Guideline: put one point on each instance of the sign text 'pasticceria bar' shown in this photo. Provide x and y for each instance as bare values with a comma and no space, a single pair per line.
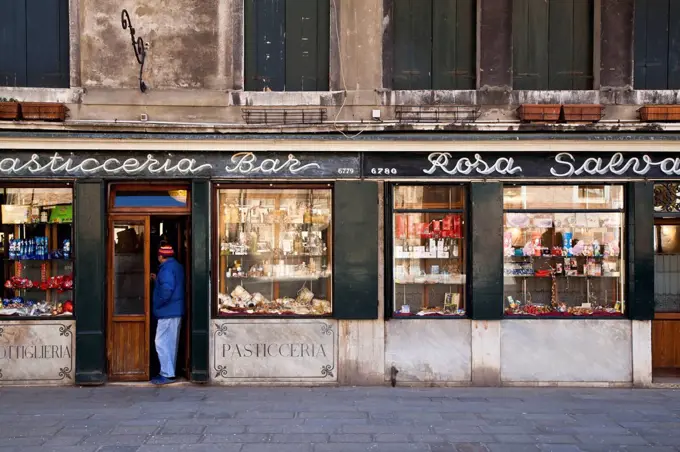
227,165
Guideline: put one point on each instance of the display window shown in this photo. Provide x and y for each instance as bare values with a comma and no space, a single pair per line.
275,251
429,250
36,234
566,260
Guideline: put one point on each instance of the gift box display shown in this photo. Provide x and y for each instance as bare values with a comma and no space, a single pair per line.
563,264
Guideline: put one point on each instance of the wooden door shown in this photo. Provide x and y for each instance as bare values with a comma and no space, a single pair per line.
128,298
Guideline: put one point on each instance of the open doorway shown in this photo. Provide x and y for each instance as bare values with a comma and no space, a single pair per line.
173,231
141,218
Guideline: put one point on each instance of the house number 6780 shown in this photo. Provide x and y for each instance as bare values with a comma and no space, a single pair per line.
383,171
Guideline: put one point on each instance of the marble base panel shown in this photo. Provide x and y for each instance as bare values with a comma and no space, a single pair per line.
574,350
286,351
428,351
37,352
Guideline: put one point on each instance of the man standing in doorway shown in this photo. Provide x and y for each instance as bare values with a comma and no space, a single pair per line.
168,308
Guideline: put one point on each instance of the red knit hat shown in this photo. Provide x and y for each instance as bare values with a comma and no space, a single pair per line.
166,251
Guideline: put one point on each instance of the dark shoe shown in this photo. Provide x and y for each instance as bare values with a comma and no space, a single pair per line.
161,380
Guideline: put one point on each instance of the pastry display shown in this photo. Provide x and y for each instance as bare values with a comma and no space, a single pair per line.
564,264
240,301
274,252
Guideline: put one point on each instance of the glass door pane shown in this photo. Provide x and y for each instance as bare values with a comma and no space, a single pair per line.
129,278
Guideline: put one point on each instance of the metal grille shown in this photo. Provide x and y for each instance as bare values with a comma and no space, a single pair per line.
667,283
284,116
438,113
667,197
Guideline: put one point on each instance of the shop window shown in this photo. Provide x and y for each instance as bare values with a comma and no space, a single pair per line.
37,262
667,248
275,251
34,43
434,44
564,250
287,45
657,47
552,44
429,250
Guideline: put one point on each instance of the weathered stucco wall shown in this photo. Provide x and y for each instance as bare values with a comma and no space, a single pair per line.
182,38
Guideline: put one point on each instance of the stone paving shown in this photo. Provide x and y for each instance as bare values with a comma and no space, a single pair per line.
201,419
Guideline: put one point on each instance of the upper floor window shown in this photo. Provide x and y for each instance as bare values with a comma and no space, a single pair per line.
34,43
552,44
286,45
434,45
657,44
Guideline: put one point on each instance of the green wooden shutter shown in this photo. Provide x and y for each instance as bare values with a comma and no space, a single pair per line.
657,44
454,44
530,44
90,280
355,250
200,280
582,50
553,44
13,43
560,51
265,51
412,44
307,44
674,45
47,43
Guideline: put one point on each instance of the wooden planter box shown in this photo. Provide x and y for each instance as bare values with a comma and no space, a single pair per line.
660,113
9,111
43,111
539,113
582,113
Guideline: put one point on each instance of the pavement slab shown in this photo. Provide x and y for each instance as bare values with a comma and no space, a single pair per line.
120,418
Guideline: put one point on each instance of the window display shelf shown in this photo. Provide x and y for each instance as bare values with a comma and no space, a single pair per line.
432,280
273,279
39,260
617,275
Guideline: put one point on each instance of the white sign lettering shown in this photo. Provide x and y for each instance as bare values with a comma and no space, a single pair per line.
617,164
443,161
130,166
246,163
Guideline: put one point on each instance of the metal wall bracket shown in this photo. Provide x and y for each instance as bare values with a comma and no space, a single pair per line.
137,46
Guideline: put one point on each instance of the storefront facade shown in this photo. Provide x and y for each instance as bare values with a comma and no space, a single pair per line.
469,267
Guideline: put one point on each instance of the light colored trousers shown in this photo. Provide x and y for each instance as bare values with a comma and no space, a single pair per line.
167,341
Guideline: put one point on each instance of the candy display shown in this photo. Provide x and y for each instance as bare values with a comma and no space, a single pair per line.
59,283
562,264
36,230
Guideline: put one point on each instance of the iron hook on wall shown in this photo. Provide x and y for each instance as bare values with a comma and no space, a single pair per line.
137,46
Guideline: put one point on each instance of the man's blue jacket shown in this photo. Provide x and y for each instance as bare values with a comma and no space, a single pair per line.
168,293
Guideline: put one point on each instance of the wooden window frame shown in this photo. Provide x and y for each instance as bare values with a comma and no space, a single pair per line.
49,184
214,236
65,55
465,251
